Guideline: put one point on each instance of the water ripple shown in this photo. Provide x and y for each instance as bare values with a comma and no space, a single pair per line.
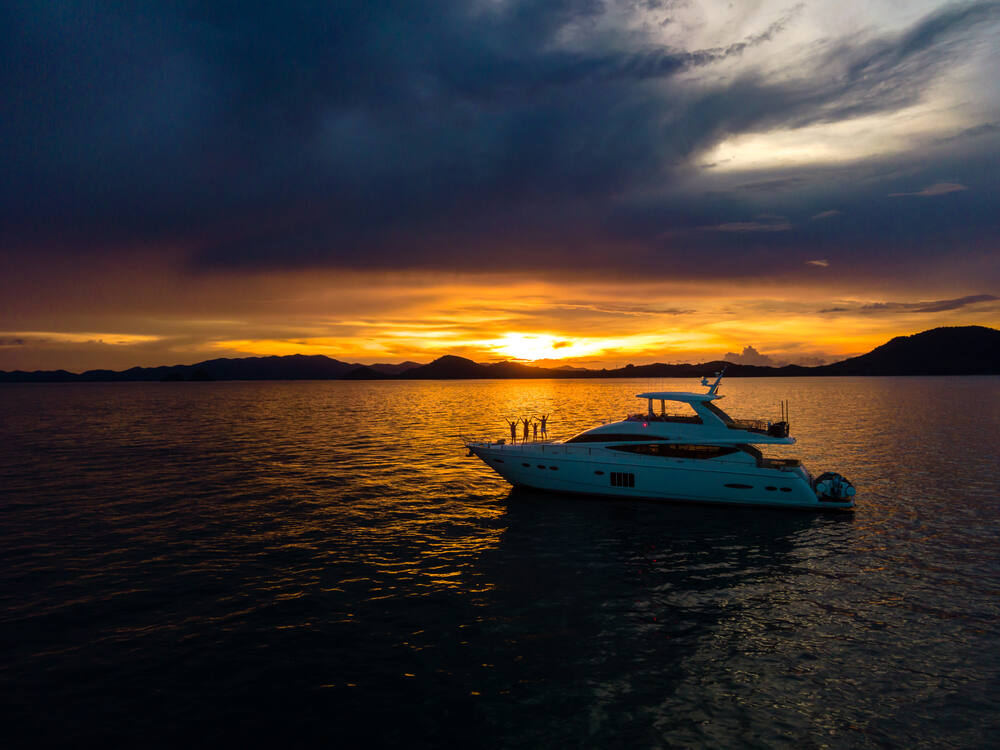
217,562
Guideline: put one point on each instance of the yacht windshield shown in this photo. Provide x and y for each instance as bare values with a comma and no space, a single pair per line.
717,412
677,411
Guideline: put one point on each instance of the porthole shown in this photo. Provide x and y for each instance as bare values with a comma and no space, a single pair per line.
498,460
554,468
541,466
527,466
737,486
786,489
599,472
772,489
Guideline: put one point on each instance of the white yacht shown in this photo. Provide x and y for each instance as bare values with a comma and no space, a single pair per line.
703,456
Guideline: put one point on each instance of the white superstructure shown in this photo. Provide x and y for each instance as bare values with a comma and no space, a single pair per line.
702,456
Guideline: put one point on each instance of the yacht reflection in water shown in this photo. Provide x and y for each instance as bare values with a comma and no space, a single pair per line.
636,602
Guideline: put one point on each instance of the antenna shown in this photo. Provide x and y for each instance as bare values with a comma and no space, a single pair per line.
714,386
784,411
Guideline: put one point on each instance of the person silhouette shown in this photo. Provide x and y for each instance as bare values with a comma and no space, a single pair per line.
527,422
544,420
513,429
535,428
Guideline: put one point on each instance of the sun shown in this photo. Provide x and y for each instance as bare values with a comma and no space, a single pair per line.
531,346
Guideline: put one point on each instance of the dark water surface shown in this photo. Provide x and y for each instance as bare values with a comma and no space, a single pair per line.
321,563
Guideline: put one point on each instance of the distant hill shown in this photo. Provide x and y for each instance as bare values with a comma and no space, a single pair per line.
968,350
450,367
394,369
291,367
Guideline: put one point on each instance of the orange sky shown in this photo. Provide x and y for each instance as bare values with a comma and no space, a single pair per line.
372,318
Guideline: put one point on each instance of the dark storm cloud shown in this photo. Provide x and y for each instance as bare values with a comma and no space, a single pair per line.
426,134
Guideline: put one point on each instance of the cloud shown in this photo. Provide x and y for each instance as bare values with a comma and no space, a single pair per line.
826,214
938,188
932,306
977,131
558,137
626,310
750,226
750,356
822,263
778,183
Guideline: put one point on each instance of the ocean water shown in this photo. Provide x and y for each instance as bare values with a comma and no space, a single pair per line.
319,562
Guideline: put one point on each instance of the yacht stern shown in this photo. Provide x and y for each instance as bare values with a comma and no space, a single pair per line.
835,489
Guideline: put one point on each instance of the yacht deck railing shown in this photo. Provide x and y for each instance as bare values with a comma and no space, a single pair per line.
760,426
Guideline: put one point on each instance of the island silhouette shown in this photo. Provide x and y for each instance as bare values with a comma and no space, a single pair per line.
954,350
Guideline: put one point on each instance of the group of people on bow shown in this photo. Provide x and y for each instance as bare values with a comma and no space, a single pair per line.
533,423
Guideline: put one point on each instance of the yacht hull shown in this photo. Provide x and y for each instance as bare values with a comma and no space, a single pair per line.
583,470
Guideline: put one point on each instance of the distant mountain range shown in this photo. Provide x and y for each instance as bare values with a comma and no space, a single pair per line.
968,350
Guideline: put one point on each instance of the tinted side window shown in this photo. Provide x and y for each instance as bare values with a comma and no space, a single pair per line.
607,437
667,450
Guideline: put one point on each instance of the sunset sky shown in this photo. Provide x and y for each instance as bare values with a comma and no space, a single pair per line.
592,183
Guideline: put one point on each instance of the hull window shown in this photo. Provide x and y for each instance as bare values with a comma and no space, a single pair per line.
737,486
622,479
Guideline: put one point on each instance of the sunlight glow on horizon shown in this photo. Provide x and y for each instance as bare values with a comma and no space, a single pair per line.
528,347
583,324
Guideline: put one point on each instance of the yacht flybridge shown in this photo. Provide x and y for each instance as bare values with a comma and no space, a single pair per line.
703,456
